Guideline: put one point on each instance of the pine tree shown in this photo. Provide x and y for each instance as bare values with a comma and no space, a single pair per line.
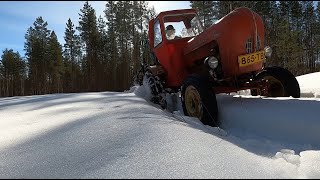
206,11
36,48
2,80
223,8
123,22
140,19
89,37
112,49
151,13
102,53
56,66
317,37
72,56
309,18
12,73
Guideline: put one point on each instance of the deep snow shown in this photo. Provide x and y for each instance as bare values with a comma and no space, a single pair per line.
121,135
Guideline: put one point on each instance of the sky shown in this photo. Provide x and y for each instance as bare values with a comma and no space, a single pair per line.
123,135
17,16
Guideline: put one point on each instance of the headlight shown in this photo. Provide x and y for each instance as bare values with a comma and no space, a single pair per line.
212,62
267,51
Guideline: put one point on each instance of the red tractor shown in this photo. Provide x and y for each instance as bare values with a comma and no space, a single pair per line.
199,63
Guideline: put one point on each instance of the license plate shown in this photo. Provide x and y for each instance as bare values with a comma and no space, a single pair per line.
248,59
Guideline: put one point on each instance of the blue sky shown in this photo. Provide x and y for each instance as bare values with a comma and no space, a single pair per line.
17,16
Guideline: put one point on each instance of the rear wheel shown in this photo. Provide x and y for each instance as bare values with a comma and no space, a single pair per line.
198,100
280,83
155,89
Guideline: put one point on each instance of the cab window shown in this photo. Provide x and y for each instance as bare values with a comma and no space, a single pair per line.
184,25
157,33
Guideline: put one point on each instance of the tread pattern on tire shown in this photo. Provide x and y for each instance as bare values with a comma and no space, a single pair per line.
157,89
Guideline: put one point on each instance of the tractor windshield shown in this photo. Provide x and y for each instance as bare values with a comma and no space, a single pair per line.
182,25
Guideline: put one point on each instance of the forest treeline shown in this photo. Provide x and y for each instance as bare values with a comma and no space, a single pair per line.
103,53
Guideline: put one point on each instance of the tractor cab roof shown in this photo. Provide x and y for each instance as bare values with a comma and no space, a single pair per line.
178,11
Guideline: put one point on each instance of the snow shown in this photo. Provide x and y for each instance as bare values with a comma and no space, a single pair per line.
308,86
122,135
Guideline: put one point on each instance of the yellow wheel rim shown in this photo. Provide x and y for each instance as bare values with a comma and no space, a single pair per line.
193,102
275,87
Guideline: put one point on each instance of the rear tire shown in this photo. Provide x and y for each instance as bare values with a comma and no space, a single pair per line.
199,100
155,89
282,83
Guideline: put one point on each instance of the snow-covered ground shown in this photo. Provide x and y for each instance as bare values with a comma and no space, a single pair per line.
121,135
310,85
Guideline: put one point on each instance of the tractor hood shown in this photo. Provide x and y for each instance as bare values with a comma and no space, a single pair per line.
233,34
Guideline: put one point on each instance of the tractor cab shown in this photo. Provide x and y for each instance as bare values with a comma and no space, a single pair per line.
169,34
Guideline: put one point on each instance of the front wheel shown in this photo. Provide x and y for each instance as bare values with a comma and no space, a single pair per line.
280,83
199,100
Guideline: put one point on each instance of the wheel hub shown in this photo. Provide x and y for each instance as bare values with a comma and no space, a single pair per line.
193,102
274,87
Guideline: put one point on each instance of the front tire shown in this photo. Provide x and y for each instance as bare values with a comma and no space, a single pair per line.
199,100
281,83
